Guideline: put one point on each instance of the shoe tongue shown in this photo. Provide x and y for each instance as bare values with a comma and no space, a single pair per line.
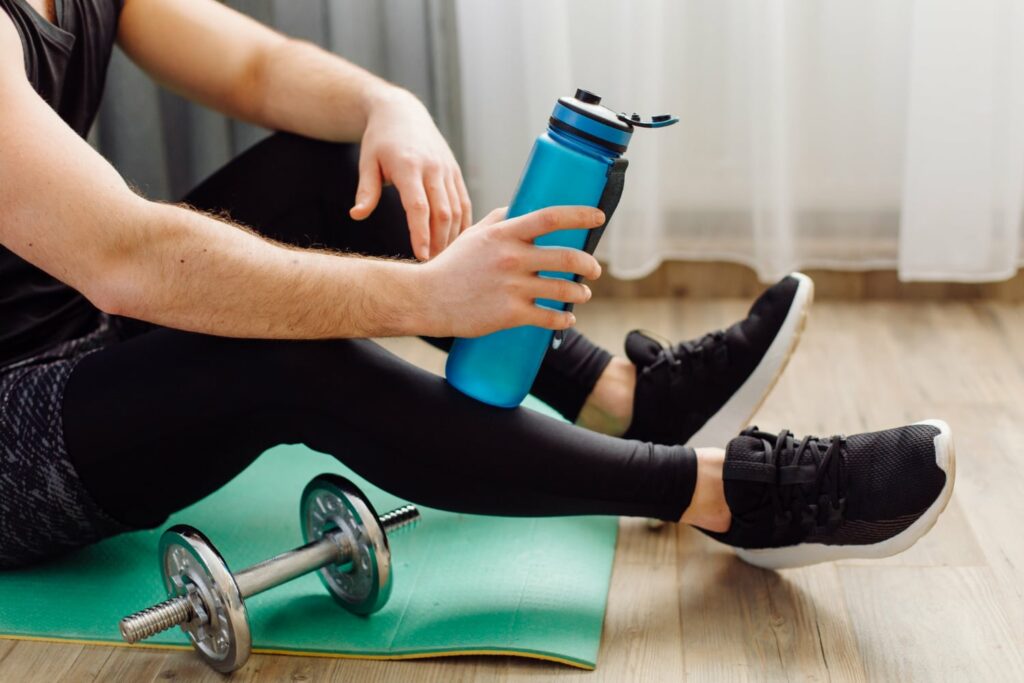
747,480
745,449
641,349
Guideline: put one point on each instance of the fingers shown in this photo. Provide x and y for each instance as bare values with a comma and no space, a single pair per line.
559,289
495,216
467,206
440,211
548,318
417,211
532,225
564,260
368,192
456,225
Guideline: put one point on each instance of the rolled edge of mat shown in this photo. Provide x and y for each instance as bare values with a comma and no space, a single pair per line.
429,654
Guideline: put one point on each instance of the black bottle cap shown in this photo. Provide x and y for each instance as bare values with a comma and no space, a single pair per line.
587,97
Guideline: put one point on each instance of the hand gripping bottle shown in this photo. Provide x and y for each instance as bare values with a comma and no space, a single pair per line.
577,161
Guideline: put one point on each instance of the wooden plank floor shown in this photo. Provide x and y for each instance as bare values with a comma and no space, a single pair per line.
951,608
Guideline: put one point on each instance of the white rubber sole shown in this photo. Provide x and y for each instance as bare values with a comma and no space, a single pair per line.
813,553
741,406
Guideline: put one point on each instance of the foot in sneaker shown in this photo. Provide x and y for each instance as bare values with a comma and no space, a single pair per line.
796,502
703,391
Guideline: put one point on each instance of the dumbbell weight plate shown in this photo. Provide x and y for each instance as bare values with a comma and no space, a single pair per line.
330,502
189,559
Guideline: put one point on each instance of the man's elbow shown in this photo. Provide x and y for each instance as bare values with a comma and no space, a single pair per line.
115,295
115,280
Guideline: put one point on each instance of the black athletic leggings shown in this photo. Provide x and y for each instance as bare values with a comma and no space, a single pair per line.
162,418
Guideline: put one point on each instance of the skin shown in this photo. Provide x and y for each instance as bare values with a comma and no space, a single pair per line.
180,268
177,267
248,71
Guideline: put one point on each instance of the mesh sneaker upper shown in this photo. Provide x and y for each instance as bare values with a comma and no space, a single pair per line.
892,473
680,387
885,480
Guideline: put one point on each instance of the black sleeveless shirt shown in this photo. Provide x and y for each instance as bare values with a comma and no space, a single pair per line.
66,63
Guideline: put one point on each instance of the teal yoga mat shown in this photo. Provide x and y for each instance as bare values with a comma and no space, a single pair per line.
463,584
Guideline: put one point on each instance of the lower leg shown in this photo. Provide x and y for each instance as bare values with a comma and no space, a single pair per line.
608,409
209,405
708,508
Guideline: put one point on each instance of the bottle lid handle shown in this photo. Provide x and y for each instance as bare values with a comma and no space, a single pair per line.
657,121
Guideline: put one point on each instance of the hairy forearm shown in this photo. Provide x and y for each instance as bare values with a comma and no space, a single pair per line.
67,210
301,88
186,270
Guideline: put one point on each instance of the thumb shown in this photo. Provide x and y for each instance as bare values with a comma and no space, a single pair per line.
368,192
495,216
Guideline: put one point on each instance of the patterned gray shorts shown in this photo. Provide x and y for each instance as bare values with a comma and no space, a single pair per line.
44,508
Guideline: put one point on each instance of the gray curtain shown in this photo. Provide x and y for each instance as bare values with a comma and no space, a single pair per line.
164,145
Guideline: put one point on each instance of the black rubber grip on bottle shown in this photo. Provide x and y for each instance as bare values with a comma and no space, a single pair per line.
608,203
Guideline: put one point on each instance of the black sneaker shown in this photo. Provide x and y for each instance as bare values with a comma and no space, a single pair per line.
798,502
703,391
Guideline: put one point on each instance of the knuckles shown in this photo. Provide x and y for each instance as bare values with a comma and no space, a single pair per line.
409,158
549,219
553,319
508,260
565,291
571,292
569,261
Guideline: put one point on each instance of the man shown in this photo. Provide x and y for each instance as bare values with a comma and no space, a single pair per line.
138,336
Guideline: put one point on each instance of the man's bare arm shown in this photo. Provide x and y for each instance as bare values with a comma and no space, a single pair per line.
66,210
226,60
222,58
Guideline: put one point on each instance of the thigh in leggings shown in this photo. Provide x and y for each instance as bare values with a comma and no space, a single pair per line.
297,190
160,420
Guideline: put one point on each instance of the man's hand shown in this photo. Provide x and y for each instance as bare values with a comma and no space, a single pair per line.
402,146
488,280
183,269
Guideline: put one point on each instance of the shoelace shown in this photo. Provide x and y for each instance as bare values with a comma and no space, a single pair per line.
824,505
700,355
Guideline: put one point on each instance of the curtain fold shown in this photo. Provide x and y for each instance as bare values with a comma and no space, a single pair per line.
964,170
814,133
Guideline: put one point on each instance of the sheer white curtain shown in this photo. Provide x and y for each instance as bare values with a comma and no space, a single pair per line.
832,133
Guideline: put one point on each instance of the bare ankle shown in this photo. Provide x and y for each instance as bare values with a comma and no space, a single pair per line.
609,408
708,508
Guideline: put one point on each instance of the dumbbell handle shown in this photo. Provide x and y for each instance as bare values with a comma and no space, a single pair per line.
331,549
260,577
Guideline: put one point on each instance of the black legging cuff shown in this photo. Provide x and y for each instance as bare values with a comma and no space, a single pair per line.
571,372
683,486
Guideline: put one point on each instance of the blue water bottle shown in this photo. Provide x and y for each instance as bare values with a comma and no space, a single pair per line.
577,161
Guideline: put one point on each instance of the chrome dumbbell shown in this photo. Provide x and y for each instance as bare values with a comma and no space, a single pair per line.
346,544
